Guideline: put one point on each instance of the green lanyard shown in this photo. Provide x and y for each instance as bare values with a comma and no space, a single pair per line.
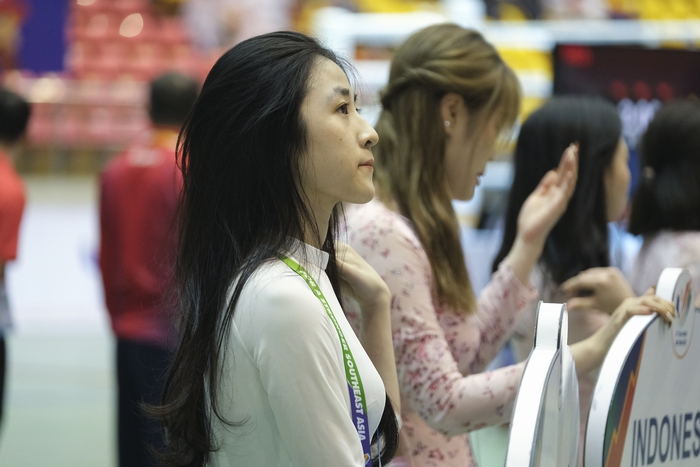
358,402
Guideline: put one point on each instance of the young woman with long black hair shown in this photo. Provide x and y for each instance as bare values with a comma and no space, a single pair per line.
268,371
579,241
576,259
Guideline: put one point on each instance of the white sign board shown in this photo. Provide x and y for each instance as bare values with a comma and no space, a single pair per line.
646,403
544,429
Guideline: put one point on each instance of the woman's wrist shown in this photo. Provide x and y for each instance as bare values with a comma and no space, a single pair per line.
593,350
588,354
380,304
522,257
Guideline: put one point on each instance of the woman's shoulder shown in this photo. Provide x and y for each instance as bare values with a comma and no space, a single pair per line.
547,289
661,250
374,222
684,243
276,297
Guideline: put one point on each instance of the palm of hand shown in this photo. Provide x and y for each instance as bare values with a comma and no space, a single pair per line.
541,211
543,208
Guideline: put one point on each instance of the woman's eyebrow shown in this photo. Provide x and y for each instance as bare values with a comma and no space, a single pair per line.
339,90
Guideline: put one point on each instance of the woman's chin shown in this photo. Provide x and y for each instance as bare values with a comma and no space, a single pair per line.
361,197
465,195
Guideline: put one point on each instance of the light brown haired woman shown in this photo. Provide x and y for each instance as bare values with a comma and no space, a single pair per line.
448,99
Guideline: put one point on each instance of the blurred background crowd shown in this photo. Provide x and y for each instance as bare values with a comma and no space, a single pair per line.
83,64
84,67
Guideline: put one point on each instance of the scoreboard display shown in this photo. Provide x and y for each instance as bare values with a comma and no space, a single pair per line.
637,79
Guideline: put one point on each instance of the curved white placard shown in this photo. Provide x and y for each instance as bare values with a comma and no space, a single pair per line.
544,428
646,404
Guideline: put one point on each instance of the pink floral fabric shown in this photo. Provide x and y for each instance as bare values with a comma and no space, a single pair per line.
440,354
666,250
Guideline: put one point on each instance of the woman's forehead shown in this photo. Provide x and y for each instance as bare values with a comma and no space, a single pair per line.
328,78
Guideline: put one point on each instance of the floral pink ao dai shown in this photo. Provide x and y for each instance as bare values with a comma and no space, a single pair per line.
440,354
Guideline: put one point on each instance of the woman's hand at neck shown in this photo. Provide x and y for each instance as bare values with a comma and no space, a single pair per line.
361,282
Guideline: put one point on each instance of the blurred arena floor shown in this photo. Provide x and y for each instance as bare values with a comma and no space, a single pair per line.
60,386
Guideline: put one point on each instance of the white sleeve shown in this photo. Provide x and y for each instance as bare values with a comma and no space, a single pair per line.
297,351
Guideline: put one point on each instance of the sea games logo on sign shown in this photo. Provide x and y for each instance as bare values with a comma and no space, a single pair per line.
683,326
646,404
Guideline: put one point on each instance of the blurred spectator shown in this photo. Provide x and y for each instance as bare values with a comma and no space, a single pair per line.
167,7
513,9
547,9
221,24
139,193
12,13
14,115
575,9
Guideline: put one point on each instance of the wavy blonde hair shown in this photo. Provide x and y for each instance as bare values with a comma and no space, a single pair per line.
410,157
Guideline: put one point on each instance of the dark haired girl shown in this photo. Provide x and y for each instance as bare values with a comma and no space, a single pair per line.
576,256
666,205
268,370
579,241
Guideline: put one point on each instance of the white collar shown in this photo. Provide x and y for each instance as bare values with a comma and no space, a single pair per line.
306,254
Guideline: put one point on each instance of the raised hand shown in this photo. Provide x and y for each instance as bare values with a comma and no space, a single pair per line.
601,289
647,304
540,213
589,353
543,208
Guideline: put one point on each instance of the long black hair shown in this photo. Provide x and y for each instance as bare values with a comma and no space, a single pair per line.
240,153
668,194
580,239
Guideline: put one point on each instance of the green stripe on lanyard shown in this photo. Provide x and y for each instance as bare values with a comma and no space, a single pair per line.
356,389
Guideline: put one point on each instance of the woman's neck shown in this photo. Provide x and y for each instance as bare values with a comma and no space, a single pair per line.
315,234
388,201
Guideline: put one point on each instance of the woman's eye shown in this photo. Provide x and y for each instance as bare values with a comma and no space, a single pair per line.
359,110
343,109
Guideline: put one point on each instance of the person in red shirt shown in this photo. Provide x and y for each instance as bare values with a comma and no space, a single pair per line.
14,115
139,194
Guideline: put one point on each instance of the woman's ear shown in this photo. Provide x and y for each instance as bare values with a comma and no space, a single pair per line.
451,106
